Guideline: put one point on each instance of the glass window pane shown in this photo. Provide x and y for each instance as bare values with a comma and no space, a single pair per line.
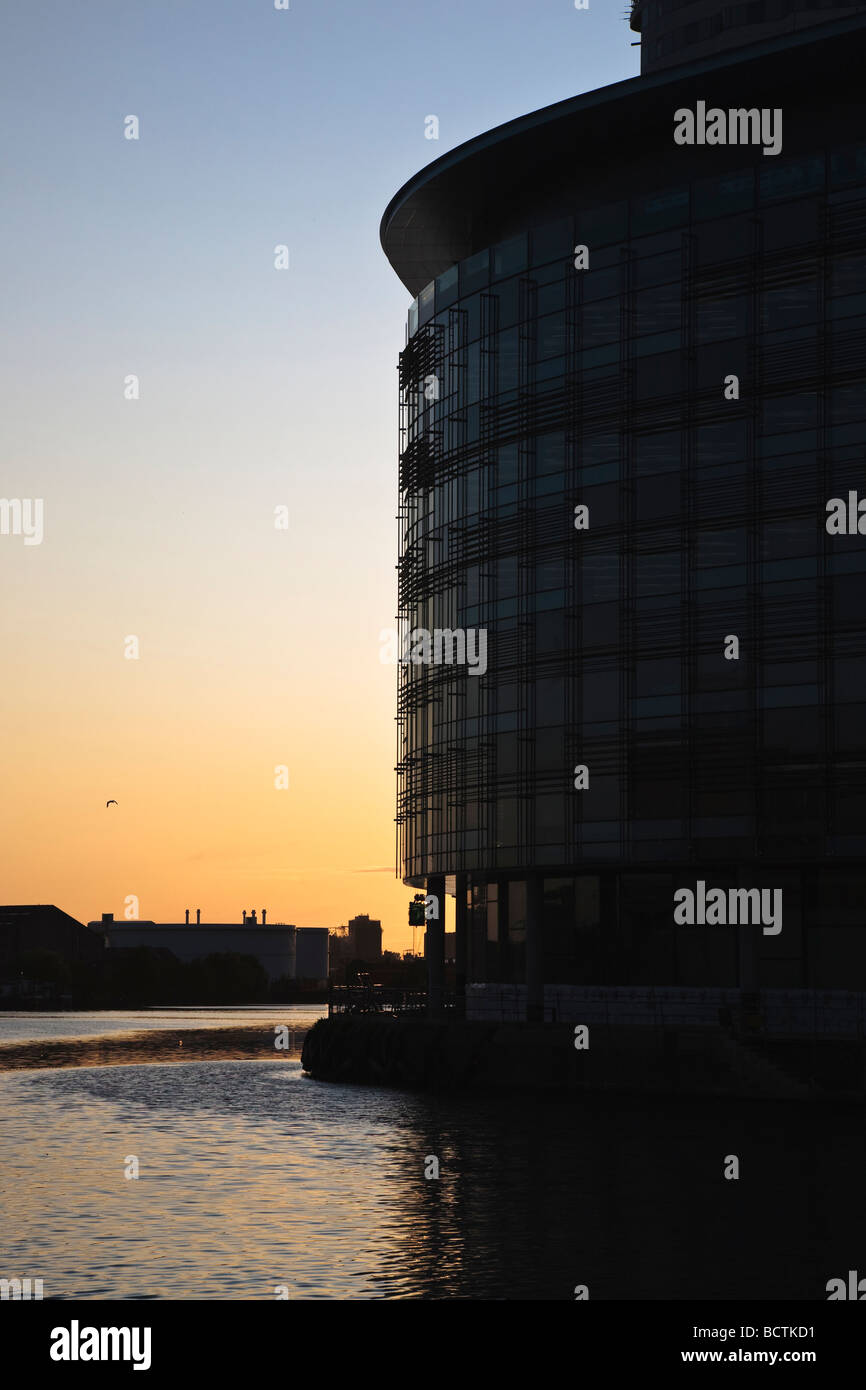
446,288
553,241
791,178
659,210
474,272
722,194
599,578
721,318
509,257
602,225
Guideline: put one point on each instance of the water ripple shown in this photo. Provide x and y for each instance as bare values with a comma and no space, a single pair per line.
253,1176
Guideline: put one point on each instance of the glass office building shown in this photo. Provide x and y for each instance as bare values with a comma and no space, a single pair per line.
634,377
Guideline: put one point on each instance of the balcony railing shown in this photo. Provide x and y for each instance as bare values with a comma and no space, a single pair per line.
380,999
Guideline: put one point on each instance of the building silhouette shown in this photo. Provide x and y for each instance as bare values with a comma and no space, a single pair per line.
312,961
677,31
29,928
365,938
634,378
273,944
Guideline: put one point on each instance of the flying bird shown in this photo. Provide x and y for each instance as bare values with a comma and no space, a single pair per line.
110,803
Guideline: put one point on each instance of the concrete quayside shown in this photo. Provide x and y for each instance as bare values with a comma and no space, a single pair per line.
446,1054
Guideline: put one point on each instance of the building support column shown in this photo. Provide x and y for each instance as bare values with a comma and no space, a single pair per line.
434,945
504,965
747,960
534,954
609,966
461,926
748,964
747,940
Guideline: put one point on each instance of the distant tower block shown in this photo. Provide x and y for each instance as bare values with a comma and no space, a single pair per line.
366,938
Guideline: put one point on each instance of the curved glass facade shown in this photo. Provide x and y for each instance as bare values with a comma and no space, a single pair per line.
530,389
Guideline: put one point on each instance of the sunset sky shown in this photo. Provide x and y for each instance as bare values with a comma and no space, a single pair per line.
258,388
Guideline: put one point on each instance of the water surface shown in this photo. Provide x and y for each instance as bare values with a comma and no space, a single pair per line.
254,1176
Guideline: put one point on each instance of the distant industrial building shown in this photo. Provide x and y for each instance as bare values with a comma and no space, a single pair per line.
312,954
281,949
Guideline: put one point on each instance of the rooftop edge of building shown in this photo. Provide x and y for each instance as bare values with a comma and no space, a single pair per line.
450,208
674,31
137,923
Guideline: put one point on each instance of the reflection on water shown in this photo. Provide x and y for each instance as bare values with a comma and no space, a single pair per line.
158,1035
22,1027
169,1044
253,1175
